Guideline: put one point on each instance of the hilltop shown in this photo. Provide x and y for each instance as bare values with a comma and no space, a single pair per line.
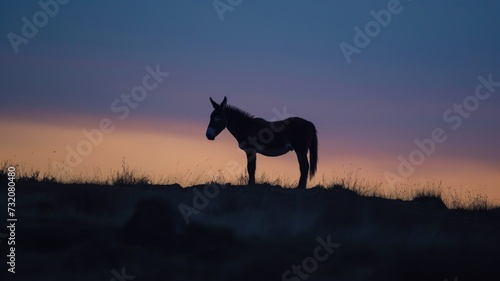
237,232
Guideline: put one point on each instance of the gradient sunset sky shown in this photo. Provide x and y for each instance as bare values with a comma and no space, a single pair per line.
266,57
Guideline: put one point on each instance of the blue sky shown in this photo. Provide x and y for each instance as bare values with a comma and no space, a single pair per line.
265,55
436,47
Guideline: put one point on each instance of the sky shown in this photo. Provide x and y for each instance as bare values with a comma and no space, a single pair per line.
373,76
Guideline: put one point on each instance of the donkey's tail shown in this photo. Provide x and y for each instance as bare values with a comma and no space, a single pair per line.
313,154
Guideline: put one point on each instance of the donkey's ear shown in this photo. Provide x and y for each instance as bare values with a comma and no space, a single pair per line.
214,104
223,103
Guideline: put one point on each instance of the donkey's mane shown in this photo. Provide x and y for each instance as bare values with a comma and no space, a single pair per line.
239,111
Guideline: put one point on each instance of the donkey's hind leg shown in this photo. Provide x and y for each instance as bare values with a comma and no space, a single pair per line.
304,168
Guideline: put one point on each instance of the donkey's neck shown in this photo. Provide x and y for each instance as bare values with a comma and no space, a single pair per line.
239,123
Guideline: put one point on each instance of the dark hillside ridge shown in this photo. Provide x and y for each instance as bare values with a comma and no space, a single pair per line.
83,231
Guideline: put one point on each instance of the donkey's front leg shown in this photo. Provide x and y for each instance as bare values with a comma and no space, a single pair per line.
251,164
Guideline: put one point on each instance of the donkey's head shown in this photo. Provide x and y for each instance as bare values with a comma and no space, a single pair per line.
218,119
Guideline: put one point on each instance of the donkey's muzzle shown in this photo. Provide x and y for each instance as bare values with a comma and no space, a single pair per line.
210,133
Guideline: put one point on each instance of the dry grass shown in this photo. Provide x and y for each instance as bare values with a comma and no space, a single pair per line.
23,174
128,176
409,190
345,177
349,177
468,199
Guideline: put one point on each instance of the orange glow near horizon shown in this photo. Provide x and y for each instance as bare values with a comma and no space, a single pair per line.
179,152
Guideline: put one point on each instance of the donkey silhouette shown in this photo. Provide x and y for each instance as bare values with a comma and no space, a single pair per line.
256,135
